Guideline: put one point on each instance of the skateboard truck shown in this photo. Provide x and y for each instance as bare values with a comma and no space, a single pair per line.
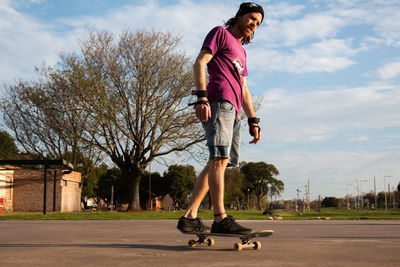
246,243
202,240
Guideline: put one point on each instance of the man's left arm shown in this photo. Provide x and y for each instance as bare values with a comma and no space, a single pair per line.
254,128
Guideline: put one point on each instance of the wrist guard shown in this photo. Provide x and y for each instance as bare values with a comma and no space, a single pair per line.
253,123
199,93
202,102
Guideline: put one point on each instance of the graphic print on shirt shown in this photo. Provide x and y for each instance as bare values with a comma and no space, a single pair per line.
239,67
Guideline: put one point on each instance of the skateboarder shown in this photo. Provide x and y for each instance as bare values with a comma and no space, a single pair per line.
218,107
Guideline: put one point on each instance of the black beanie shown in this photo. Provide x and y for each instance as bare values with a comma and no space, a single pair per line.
250,7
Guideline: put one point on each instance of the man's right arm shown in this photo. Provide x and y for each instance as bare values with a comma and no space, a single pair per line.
203,112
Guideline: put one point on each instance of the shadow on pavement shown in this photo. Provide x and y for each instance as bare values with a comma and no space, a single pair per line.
134,246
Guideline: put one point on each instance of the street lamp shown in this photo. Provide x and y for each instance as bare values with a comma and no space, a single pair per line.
384,188
362,197
150,202
248,198
356,202
347,195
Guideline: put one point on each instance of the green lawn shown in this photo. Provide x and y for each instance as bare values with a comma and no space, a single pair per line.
340,214
331,213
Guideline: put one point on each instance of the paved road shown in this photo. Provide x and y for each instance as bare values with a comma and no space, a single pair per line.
158,243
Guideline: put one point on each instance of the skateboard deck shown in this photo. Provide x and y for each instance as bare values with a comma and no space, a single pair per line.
246,239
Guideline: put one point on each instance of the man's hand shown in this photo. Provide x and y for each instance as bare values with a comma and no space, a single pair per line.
203,111
254,129
256,133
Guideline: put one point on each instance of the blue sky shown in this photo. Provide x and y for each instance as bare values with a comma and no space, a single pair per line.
328,71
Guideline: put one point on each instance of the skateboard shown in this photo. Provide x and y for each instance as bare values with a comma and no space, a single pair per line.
246,239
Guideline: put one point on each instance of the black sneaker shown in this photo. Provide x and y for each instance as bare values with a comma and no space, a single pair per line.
186,225
229,226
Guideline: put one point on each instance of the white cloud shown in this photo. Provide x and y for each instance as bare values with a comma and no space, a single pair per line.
26,43
5,7
320,137
382,16
189,19
325,56
389,71
329,171
281,10
290,41
359,139
295,116
37,1
292,32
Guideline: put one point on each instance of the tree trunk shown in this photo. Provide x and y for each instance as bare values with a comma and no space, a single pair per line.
134,203
134,176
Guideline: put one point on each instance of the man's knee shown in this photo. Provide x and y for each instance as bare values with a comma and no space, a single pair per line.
219,162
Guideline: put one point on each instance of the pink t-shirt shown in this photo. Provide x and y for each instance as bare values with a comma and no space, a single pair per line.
227,67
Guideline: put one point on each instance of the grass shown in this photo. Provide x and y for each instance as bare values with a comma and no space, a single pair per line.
340,214
331,213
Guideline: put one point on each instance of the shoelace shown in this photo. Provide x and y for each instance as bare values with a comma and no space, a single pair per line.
229,219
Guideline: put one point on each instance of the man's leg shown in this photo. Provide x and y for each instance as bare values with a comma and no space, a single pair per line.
199,192
189,222
216,175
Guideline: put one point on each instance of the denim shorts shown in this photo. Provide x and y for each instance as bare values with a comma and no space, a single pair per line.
223,132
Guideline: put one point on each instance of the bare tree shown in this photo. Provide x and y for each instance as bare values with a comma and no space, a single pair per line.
134,93
38,112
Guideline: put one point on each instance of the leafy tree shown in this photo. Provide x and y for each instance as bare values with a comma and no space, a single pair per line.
180,180
275,188
234,186
371,198
112,178
381,199
90,185
159,187
8,149
261,181
330,202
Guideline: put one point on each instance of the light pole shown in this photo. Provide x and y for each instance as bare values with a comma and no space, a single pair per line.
248,198
356,202
361,192
384,188
151,206
297,202
347,195
376,197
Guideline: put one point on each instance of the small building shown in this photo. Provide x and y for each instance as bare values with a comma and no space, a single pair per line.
23,189
159,203
6,190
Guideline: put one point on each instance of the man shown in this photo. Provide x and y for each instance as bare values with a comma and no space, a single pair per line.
218,107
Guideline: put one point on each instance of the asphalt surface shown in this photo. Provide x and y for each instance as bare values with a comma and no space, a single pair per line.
159,243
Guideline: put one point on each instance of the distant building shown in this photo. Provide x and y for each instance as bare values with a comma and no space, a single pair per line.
22,190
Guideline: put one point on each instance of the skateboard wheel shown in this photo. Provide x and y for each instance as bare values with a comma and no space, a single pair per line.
238,246
210,242
191,243
257,245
